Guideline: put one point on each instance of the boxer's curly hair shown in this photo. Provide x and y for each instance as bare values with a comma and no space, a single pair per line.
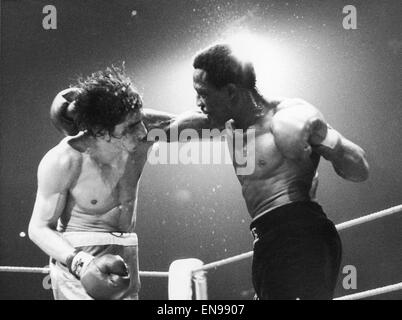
223,67
106,98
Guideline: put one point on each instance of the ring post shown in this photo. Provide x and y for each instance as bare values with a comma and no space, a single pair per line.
200,285
180,278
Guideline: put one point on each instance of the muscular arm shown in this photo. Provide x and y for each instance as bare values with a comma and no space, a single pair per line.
55,174
347,158
168,127
299,128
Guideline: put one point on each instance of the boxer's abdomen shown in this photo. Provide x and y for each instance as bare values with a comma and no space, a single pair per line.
118,219
289,184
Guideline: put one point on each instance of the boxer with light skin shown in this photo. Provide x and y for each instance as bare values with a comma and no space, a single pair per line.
85,210
297,250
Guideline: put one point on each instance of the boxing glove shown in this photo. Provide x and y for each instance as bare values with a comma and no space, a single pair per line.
62,111
103,278
296,129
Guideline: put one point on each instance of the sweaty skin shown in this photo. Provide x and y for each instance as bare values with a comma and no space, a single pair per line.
100,195
276,180
91,184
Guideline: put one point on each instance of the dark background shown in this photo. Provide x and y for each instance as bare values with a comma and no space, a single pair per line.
352,76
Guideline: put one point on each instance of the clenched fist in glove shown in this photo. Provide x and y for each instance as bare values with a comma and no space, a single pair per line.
104,278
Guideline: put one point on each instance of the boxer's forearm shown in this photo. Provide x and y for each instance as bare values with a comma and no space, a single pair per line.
167,127
50,242
194,122
348,160
173,128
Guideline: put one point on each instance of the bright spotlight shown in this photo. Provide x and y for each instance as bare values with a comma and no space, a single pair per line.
272,61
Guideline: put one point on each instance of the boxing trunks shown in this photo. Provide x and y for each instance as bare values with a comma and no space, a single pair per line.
297,253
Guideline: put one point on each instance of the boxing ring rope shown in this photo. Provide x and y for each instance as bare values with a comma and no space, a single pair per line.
339,227
45,270
369,217
195,271
372,293
24,269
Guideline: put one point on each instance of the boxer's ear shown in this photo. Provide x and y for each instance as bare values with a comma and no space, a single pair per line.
231,89
107,136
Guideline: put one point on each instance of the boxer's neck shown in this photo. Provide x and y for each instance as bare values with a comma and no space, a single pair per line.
104,152
249,108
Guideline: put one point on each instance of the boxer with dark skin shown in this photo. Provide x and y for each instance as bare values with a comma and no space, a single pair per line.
88,183
297,250
85,210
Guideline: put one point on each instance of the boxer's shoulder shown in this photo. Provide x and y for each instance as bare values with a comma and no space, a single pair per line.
61,161
296,108
286,103
68,152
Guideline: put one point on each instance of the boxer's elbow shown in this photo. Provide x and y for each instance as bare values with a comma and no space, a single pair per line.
33,232
361,167
365,170
358,176
356,168
36,232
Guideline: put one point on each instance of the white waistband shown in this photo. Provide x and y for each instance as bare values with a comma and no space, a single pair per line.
84,238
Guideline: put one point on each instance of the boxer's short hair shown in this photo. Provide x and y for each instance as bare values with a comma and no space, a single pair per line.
223,67
106,98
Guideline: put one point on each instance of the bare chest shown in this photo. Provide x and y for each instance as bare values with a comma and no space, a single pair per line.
254,150
99,188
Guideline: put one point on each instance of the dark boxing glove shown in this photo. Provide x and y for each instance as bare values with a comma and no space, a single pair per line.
62,111
103,278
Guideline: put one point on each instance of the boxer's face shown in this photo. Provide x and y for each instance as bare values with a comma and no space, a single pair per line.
213,102
130,132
